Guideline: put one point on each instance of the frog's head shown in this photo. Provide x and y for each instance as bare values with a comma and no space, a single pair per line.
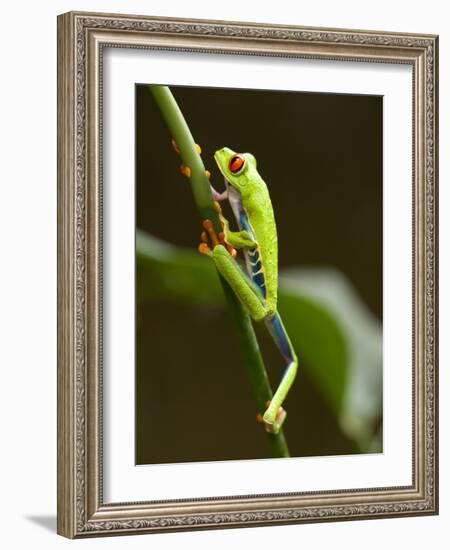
238,169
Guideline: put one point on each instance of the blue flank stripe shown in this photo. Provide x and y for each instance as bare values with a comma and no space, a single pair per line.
258,278
281,338
256,266
244,222
260,282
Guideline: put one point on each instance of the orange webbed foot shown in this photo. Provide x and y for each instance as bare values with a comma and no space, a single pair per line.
210,239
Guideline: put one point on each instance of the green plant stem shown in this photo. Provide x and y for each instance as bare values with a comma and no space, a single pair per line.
181,133
255,366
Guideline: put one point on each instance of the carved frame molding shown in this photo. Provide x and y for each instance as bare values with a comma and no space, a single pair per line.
81,38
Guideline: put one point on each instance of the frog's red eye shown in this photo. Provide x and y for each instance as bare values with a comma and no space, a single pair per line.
236,163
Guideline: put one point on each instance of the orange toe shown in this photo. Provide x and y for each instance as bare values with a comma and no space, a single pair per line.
175,146
203,248
185,170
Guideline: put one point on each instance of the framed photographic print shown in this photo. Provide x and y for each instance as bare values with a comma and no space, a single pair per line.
247,288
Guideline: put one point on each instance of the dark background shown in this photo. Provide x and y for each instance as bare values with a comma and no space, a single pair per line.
321,156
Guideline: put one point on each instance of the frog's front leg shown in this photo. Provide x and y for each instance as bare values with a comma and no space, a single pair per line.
237,239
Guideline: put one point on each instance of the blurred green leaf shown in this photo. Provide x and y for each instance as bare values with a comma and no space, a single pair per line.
317,336
356,367
336,336
175,273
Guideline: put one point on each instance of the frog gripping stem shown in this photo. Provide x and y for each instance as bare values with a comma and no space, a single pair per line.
209,235
223,253
275,426
184,145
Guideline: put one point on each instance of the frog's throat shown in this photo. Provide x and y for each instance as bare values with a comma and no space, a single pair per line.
235,200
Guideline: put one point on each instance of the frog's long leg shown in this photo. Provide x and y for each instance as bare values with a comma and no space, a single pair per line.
255,304
237,278
240,282
251,296
272,417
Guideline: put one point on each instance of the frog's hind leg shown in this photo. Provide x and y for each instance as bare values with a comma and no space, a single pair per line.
275,415
240,282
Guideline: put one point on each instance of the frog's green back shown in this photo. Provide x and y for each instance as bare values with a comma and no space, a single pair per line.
258,208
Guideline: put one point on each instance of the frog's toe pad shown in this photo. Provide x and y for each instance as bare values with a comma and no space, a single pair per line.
273,425
203,248
185,170
209,237
209,227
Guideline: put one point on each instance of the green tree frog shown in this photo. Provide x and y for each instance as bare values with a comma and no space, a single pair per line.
257,285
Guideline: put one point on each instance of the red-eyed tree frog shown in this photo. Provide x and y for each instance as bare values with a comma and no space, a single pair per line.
257,285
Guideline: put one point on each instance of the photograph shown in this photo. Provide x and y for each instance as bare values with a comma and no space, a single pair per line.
259,270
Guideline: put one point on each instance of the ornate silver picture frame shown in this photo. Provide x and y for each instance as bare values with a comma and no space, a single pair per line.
82,41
